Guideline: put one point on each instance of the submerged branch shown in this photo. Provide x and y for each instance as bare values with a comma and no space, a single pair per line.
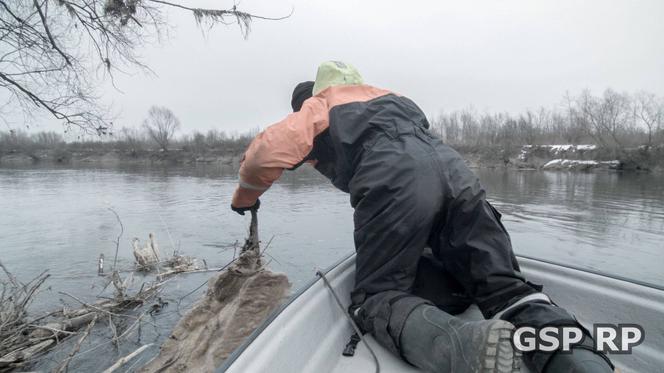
65,364
118,364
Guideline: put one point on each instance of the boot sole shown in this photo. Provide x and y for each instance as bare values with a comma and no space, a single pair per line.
499,355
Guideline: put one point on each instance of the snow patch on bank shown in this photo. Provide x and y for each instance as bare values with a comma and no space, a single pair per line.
561,148
558,151
575,164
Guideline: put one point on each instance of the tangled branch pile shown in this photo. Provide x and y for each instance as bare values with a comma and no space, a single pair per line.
15,342
22,339
238,299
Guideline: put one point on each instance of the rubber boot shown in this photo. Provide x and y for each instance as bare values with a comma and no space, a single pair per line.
582,359
537,310
579,361
435,341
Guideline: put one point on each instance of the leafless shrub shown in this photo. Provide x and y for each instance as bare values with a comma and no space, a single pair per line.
132,140
649,110
16,140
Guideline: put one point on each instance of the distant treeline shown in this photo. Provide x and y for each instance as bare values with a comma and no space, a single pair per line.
613,121
128,140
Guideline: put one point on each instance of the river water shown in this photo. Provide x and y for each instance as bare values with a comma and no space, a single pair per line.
58,219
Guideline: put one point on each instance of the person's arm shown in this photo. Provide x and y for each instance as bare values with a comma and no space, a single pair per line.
280,146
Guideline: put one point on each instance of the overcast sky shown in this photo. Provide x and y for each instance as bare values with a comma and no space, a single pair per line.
492,55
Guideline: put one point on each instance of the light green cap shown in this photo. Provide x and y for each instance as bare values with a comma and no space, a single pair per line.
333,73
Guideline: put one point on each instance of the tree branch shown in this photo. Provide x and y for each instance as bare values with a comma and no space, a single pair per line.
48,32
11,13
46,63
221,13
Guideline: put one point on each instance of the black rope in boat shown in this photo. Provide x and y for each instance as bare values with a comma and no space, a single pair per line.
352,322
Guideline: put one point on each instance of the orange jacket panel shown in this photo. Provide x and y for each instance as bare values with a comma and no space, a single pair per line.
287,143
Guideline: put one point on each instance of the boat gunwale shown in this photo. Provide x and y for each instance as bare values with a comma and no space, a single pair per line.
277,312
596,272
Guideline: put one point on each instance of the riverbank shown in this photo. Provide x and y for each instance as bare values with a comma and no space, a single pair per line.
527,157
565,157
118,157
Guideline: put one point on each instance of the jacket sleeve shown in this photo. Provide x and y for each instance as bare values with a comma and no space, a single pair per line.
280,146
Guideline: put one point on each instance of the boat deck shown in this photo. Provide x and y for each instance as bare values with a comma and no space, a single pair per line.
309,333
363,362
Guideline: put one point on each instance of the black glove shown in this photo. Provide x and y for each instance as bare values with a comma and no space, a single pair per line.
241,210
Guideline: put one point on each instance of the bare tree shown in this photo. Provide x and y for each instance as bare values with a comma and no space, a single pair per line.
606,118
448,126
469,126
161,125
649,111
15,140
50,49
527,128
48,139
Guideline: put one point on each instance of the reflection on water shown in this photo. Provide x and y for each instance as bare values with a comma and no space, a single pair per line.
58,219
609,222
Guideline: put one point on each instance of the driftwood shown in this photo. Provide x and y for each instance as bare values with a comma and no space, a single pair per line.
236,302
149,258
63,327
15,297
180,264
65,364
11,359
21,339
124,360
